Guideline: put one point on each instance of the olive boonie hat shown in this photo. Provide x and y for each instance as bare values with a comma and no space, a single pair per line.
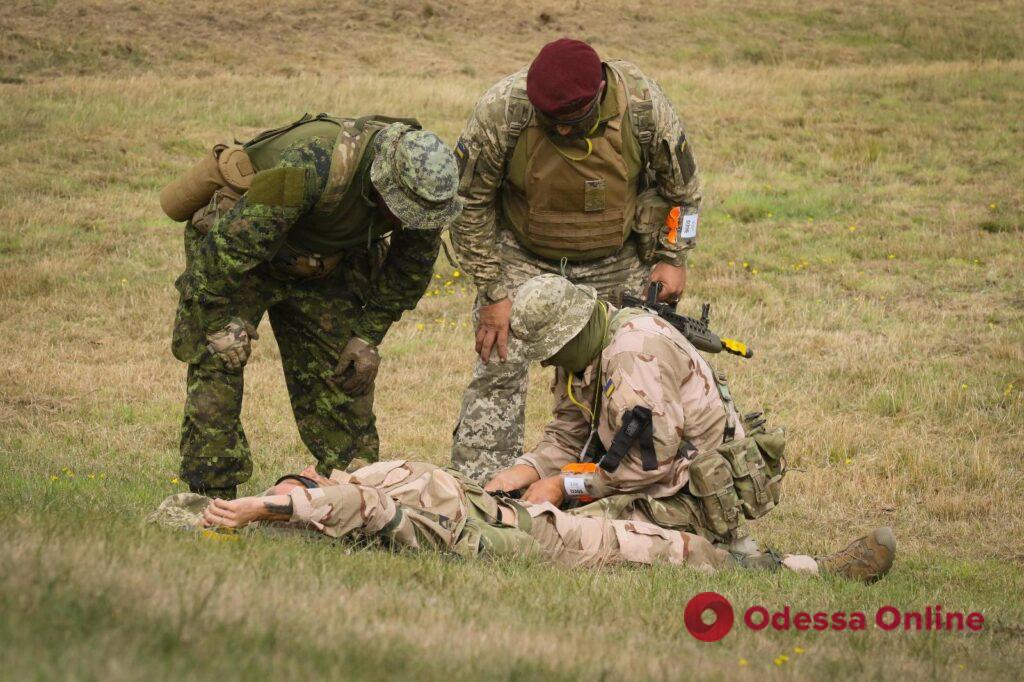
547,312
416,176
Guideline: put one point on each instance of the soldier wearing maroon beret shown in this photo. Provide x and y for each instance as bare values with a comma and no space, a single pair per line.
573,165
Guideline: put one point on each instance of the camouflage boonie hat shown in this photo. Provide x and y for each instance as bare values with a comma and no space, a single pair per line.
415,174
182,510
547,312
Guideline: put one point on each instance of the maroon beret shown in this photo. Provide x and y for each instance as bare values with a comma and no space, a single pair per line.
564,76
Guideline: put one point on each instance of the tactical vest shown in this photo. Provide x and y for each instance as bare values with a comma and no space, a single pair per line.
577,209
342,218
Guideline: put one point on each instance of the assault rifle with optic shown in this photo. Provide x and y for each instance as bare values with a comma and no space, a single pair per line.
696,331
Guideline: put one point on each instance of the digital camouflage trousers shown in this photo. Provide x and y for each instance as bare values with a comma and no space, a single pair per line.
489,433
311,320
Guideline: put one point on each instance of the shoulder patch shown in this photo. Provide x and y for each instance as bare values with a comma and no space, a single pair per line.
283,186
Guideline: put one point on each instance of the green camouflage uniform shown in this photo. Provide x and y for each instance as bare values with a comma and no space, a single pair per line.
489,435
237,270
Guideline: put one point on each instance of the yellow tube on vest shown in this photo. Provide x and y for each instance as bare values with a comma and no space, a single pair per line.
189,193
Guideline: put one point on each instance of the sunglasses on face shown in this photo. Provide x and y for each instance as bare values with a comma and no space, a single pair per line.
551,121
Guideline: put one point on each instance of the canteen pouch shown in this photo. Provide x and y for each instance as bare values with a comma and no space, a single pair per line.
652,211
222,201
711,482
223,166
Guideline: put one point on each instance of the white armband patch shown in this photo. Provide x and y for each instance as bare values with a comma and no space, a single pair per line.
575,486
688,226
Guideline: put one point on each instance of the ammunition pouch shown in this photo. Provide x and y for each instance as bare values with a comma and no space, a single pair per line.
652,210
740,479
223,167
711,482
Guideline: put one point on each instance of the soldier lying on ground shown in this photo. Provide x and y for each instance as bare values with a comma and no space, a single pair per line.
421,506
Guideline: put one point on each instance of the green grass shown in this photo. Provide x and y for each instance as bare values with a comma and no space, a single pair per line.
861,231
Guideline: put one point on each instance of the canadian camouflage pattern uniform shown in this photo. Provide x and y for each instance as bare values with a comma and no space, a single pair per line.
489,434
230,272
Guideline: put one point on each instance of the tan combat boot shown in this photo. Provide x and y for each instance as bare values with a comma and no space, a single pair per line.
865,559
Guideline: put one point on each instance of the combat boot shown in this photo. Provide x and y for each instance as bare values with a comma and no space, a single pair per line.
865,559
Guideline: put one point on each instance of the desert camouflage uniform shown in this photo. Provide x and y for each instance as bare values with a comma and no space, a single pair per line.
232,272
647,362
420,506
489,435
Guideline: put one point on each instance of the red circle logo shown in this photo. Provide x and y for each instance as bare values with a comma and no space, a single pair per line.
718,605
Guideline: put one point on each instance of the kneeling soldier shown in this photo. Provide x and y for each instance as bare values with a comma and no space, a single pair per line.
332,227
643,428
420,506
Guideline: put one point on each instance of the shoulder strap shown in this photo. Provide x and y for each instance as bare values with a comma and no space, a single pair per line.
641,106
273,132
518,112
353,138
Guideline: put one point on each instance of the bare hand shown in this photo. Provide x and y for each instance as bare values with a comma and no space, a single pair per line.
492,328
233,513
673,281
549,489
513,478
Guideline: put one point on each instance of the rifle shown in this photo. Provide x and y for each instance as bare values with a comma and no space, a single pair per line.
695,331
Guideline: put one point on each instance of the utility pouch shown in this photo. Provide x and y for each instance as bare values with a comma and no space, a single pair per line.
221,201
651,212
290,264
711,482
758,491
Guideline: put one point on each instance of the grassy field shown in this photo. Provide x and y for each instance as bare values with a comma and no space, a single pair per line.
863,231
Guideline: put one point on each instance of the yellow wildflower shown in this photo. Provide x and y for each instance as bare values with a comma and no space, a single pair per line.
853,228
456,274
798,649
743,661
419,326
891,256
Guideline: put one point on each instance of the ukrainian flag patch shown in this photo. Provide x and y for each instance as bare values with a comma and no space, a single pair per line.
608,389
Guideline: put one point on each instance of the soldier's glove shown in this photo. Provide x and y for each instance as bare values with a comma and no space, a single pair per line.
232,344
364,361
